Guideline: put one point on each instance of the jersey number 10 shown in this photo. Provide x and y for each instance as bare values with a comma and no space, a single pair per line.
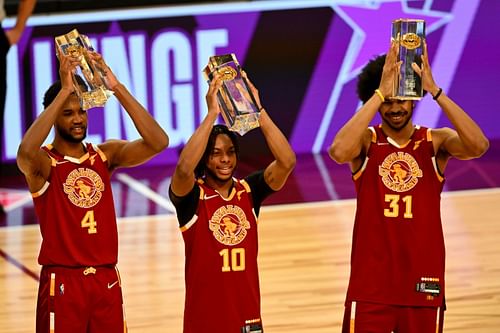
233,260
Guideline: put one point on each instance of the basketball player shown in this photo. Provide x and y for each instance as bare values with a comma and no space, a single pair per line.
79,288
217,215
398,254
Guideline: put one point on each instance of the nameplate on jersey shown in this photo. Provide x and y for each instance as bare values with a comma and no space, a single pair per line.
432,288
252,326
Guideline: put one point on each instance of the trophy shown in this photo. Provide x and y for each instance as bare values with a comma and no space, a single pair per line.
239,108
77,45
410,35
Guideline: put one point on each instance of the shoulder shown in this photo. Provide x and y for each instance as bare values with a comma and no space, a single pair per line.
440,135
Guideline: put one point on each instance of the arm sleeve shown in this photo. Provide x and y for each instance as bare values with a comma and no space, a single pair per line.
260,189
185,206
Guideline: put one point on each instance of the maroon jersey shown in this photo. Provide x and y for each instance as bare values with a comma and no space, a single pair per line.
222,282
76,212
398,253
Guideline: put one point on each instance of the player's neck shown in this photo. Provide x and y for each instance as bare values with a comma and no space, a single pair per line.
67,148
402,135
223,187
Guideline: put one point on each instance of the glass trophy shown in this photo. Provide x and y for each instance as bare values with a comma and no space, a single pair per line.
77,45
239,108
410,34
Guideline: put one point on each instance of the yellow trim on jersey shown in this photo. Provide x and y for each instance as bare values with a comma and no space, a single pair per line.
358,173
100,152
40,191
374,134
397,145
434,161
202,193
52,284
53,161
231,195
438,174
118,276
352,319
245,185
189,224
437,319
77,160
52,324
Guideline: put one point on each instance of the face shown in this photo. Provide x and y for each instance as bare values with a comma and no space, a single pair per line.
396,113
222,159
71,123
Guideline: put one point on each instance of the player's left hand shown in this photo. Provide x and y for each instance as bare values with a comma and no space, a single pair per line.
109,77
253,89
425,72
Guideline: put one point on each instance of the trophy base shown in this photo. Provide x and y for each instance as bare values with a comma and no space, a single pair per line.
405,98
244,123
95,98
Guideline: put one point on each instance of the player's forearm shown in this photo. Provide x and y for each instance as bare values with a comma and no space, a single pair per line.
277,142
348,142
24,11
153,135
195,147
469,132
39,130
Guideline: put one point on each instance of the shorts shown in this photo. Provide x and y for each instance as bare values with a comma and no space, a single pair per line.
80,300
364,317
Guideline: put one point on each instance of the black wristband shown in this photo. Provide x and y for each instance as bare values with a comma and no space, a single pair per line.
435,97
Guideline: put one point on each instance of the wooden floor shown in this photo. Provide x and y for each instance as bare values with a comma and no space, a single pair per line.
304,266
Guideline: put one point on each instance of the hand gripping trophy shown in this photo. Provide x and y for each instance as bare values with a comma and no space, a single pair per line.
78,46
239,108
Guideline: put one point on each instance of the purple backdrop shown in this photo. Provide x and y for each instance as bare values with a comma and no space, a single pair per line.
302,55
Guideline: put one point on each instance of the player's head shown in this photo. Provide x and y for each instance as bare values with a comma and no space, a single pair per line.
71,121
221,155
395,113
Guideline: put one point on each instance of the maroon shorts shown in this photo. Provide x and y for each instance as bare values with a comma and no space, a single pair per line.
80,300
363,317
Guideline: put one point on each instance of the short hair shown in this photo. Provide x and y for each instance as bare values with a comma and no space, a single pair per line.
369,78
216,130
54,89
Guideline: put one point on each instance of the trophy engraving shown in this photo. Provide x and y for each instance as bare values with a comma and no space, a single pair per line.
76,45
410,34
239,108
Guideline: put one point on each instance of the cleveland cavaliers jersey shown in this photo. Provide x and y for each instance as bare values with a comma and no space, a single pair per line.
76,211
398,254
222,282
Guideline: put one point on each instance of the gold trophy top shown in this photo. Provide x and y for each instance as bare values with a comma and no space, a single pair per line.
215,63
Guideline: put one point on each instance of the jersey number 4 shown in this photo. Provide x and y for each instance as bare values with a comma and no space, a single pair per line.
89,222
393,210
233,260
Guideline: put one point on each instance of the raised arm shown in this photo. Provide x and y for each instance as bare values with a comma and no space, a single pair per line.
353,138
153,139
24,11
31,160
183,178
277,172
467,140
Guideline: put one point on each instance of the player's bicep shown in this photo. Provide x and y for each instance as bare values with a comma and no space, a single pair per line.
122,153
452,145
36,169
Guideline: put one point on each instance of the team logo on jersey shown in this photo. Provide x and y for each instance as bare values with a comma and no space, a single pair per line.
400,172
229,225
84,187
